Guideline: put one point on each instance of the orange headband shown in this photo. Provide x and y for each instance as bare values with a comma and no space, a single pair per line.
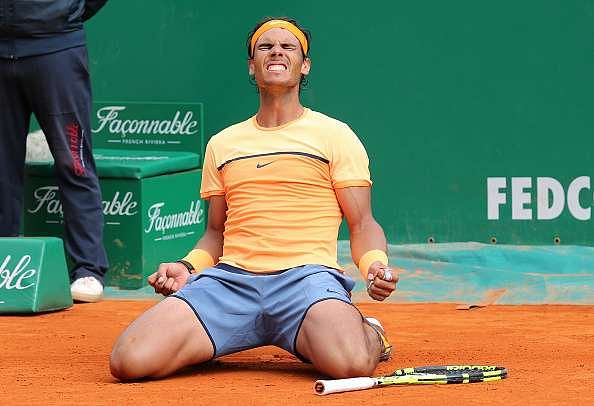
279,24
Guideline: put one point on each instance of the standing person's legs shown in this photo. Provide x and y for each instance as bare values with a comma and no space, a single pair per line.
14,125
59,90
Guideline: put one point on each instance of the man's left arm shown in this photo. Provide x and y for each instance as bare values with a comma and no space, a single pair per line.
368,241
91,8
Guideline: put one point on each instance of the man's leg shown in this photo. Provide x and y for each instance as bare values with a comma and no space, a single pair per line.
14,124
334,337
165,338
214,314
59,90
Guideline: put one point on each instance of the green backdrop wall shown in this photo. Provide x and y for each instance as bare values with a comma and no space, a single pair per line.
445,96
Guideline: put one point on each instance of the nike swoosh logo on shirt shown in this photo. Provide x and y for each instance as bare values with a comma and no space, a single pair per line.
259,165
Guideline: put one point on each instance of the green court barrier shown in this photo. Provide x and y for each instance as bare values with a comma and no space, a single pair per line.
151,204
477,117
475,273
471,274
33,275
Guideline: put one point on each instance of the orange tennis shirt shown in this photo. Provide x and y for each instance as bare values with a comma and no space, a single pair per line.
279,183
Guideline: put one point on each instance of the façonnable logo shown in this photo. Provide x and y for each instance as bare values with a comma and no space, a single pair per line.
182,123
46,198
20,277
158,221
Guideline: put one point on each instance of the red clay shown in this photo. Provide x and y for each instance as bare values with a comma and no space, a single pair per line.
62,358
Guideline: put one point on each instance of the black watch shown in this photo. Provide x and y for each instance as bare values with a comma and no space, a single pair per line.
185,263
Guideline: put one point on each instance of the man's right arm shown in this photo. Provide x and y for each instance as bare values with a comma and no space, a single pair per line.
212,240
171,276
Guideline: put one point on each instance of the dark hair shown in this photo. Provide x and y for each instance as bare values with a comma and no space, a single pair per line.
303,83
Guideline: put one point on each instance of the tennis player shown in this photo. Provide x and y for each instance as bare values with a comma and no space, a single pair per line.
265,272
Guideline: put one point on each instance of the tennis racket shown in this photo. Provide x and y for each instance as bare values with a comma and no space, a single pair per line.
447,374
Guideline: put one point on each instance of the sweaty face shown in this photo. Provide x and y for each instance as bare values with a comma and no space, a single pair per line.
278,60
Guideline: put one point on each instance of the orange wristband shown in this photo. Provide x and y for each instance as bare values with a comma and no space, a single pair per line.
199,259
369,258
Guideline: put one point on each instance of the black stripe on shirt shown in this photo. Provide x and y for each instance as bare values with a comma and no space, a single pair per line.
319,158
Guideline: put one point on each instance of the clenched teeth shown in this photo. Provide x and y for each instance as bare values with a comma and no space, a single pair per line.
276,68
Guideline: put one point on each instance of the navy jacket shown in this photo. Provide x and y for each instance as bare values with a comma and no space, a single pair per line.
36,27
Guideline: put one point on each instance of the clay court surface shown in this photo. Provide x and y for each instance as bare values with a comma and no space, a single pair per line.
62,358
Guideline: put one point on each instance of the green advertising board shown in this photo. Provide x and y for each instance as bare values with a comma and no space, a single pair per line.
148,126
148,157
33,275
148,220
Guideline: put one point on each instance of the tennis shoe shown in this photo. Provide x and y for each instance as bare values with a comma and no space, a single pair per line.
87,289
386,347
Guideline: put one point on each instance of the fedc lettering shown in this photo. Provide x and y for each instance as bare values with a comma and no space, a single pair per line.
551,198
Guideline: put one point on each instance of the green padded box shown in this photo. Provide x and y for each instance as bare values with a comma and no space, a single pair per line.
151,203
33,275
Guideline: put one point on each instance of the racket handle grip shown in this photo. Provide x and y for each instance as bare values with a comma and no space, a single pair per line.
326,387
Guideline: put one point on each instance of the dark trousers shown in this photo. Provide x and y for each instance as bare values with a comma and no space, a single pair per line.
56,88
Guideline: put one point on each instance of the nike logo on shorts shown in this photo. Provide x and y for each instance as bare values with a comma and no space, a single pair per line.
259,165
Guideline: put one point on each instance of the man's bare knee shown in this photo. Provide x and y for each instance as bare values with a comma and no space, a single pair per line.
128,361
126,364
350,364
118,366
334,338
162,340
362,364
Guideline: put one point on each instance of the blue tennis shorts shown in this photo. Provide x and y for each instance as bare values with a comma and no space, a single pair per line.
241,310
